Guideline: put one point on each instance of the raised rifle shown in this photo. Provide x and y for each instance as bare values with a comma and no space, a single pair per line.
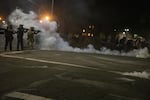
2,30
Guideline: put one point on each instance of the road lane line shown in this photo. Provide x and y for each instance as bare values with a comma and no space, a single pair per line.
117,61
24,96
48,61
119,97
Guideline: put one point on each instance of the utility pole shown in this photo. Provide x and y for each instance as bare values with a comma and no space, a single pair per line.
52,8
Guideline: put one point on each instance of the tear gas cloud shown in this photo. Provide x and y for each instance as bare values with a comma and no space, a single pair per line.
143,74
49,39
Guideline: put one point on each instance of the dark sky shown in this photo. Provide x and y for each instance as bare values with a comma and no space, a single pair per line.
104,13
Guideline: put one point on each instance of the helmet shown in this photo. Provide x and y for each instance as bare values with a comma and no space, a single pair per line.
20,25
32,28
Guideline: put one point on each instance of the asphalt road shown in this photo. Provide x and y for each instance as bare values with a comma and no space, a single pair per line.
73,76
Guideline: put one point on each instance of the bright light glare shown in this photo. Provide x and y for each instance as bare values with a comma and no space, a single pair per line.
124,33
83,30
4,22
127,30
89,34
47,18
0,18
41,21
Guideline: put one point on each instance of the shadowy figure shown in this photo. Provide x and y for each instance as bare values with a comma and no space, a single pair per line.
8,37
20,33
122,44
30,37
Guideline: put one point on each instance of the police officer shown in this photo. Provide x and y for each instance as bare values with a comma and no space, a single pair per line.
9,37
20,32
30,37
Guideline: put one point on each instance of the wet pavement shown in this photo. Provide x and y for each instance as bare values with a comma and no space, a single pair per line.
57,75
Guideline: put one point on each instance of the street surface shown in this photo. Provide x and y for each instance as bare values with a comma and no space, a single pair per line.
57,75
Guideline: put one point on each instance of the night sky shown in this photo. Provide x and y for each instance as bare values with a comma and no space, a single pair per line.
106,14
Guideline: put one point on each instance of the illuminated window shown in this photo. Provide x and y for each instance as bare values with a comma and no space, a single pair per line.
83,30
90,26
93,26
83,34
89,34
127,30
124,33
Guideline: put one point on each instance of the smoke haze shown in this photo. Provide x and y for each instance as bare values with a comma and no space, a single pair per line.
143,74
49,39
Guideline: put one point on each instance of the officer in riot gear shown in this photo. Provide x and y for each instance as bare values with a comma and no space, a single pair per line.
20,33
30,37
8,37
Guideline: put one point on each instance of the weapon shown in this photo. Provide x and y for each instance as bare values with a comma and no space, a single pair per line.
35,31
2,30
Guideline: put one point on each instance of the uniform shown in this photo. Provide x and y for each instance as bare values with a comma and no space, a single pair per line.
9,37
30,37
20,34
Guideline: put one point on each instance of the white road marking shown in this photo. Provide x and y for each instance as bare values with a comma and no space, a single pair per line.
24,96
126,79
119,97
116,61
48,61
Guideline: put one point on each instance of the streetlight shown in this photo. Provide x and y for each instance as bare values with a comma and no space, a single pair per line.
46,18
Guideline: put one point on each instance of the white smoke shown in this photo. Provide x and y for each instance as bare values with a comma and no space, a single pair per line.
49,39
143,74
18,17
139,53
143,53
